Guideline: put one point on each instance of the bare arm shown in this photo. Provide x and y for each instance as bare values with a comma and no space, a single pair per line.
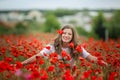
29,60
95,59
91,58
33,58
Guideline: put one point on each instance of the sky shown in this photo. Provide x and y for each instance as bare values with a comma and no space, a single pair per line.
55,4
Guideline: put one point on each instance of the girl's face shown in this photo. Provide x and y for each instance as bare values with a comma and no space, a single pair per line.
67,35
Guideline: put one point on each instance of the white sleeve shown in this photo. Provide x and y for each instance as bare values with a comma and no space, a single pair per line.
84,53
45,50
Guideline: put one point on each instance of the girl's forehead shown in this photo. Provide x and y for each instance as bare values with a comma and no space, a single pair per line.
67,29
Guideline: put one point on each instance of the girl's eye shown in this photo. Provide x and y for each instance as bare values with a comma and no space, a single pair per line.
69,33
64,32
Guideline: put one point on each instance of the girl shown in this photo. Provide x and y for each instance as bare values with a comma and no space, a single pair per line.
65,43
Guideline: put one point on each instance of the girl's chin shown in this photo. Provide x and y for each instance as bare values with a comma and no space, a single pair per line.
66,41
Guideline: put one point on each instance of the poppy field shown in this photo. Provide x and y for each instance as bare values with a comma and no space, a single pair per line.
16,48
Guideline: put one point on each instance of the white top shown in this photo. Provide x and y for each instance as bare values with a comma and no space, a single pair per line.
52,50
84,53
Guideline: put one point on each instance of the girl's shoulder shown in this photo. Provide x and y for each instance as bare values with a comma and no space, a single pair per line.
51,46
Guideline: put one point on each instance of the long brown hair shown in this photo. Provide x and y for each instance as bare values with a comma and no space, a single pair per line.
58,40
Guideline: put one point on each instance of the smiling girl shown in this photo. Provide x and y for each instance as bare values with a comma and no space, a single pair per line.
65,43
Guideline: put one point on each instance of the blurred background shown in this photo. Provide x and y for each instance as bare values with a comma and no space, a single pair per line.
91,18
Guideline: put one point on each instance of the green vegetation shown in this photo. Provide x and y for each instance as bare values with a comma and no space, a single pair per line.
60,12
99,25
114,25
51,24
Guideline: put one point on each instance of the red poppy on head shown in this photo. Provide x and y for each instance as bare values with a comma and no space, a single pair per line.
60,32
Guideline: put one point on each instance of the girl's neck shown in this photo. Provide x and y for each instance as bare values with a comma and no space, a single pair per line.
65,45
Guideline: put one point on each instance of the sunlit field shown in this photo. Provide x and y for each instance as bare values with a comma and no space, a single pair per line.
15,49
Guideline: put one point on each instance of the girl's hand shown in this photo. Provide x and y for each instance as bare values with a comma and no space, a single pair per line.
102,63
105,63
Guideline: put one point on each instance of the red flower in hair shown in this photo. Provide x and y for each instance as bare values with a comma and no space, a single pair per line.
60,31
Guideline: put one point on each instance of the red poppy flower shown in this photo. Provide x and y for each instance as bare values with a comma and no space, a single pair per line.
71,45
41,61
51,68
35,74
64,54
44,75
78,48
60,32
67,75
53,55
61,65
53,60
87,74
38,57
3,66
118,46
19,65
8,59
112,75
101,63
45,54
47,47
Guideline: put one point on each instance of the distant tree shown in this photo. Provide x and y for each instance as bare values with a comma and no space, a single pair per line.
114,27
99,25
61,12
52,24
